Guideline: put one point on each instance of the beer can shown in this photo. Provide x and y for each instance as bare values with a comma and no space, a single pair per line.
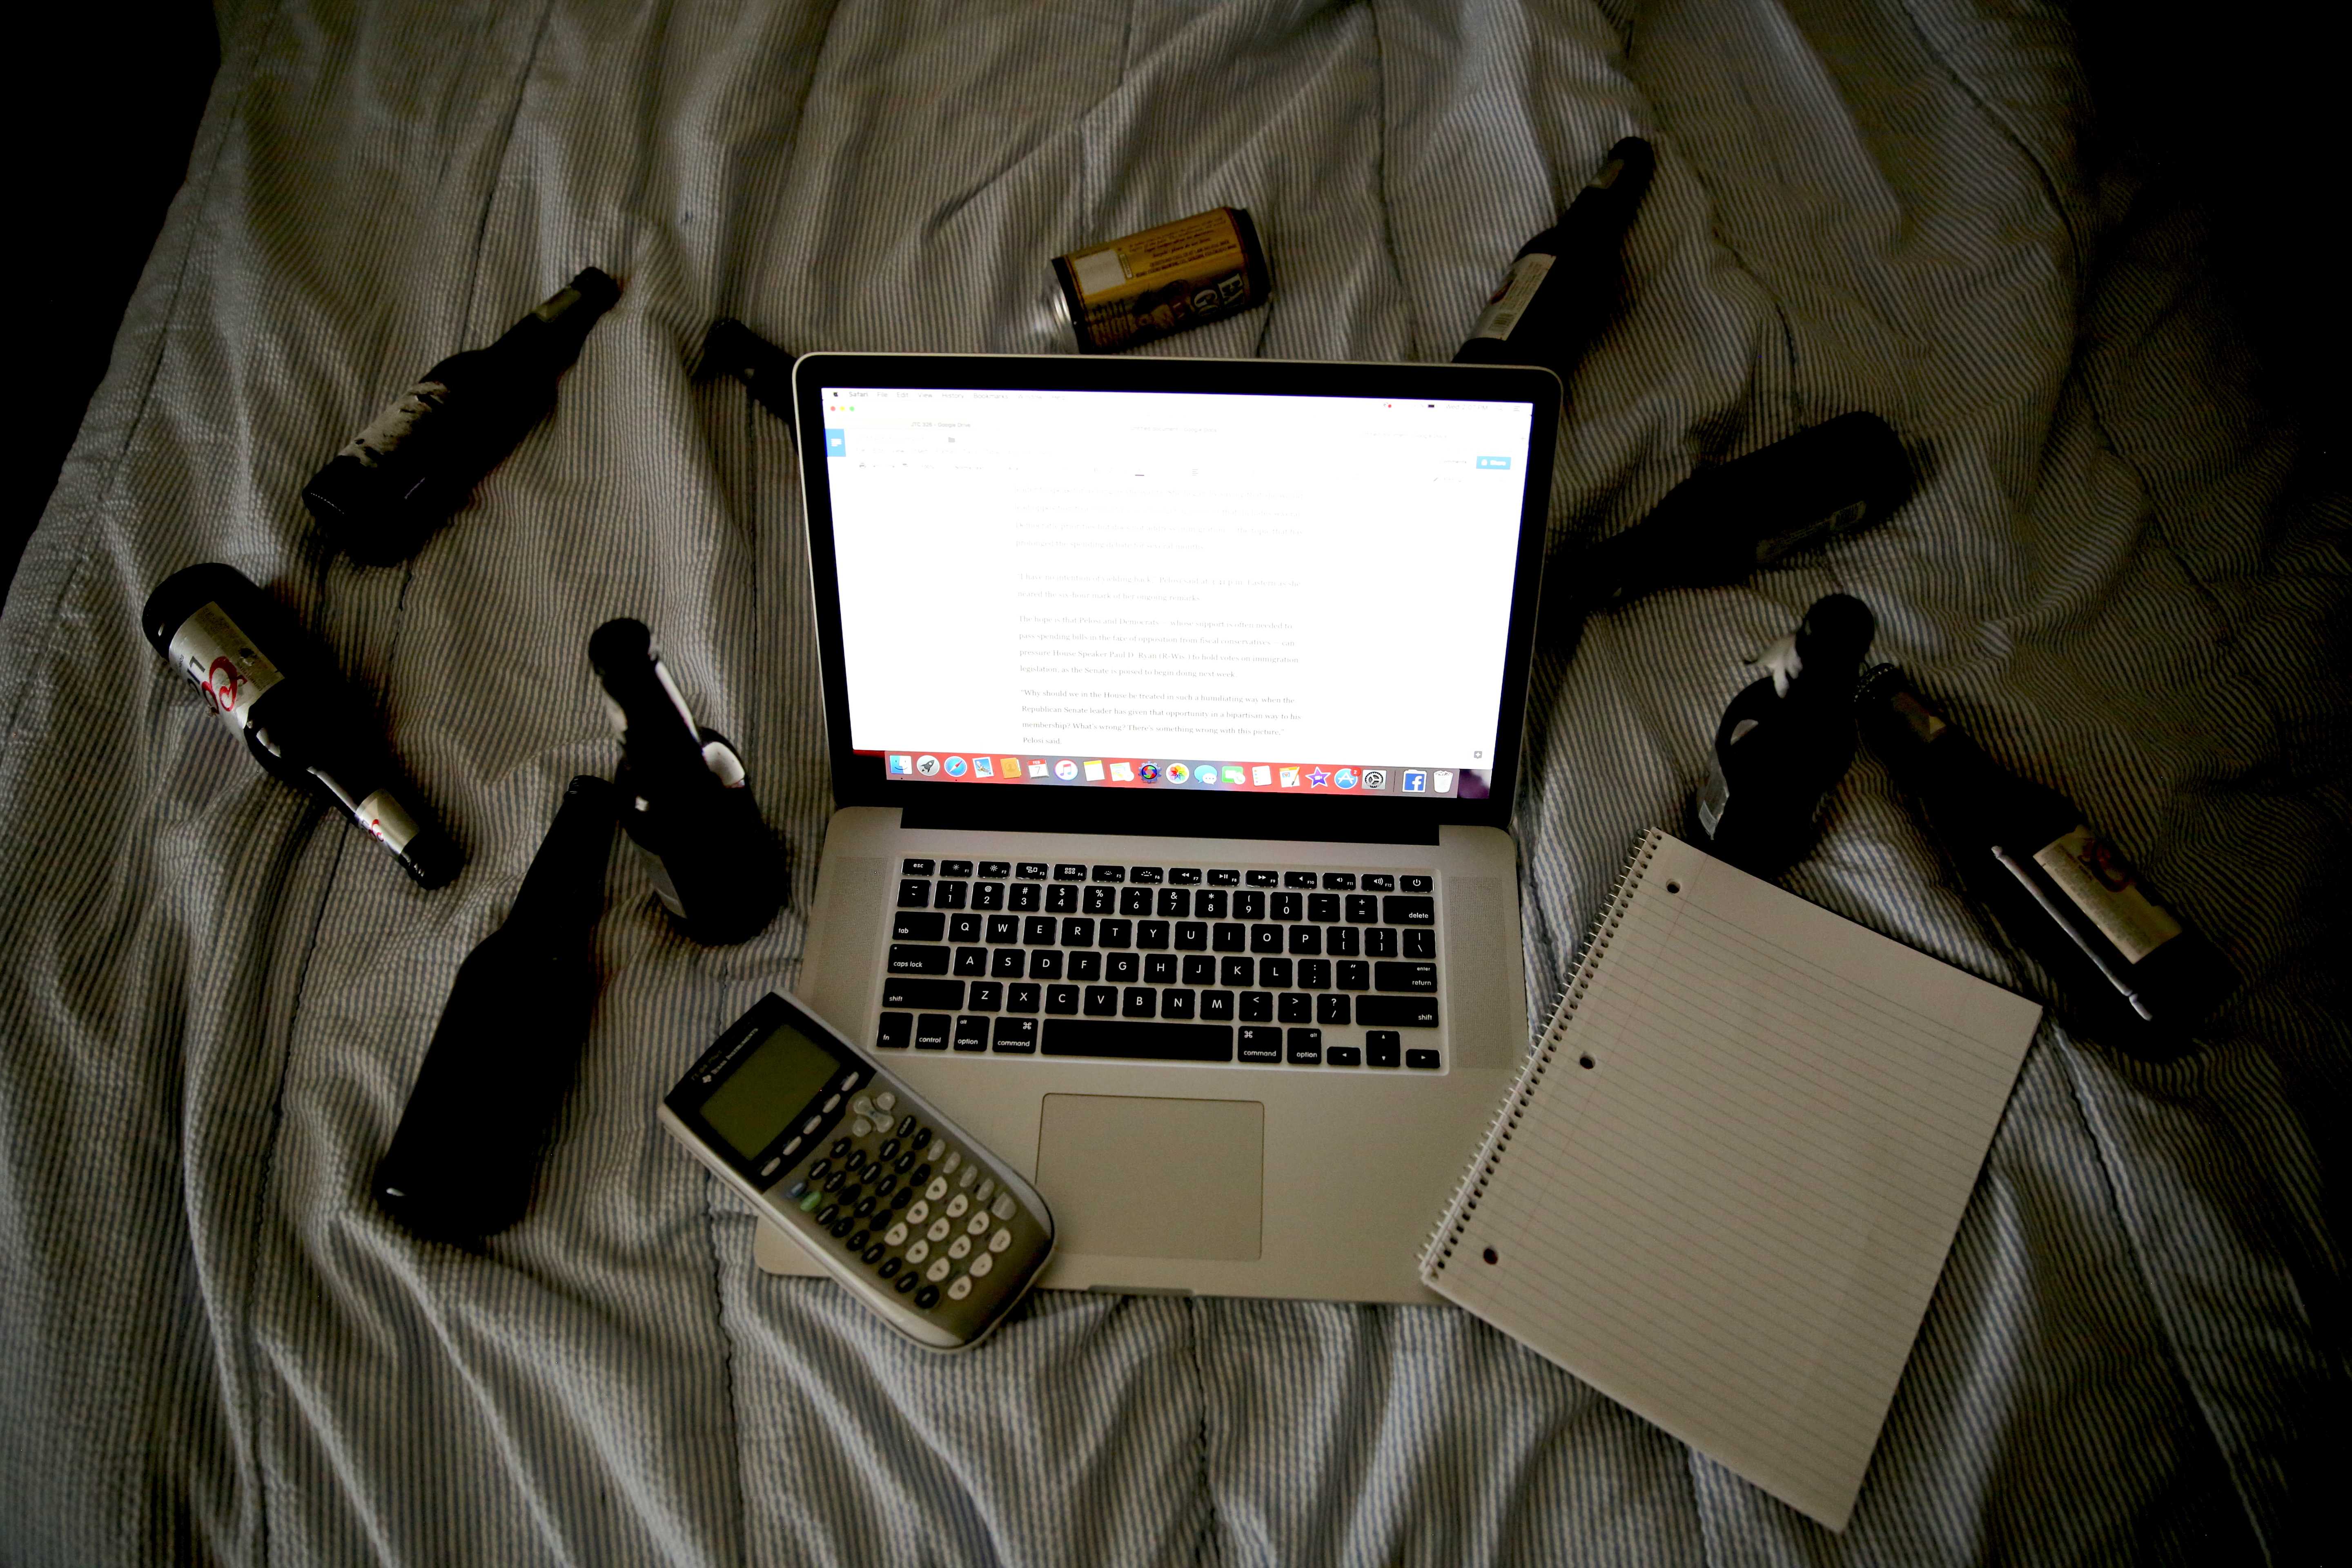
1145,286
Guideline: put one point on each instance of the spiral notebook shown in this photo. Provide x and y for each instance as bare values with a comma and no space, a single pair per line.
1723,1187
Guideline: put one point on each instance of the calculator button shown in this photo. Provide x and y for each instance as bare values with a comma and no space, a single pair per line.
906,1126
961,1247
873,1254
997,1243
905,1282
840,1228
826,1215
832,1102
948,1166
885,1101
921,1139
889,1149
923,1173
978,1225
987,1190
919,1213
809,1204
938,1231
889,1266
848,1081
940,1269
927,1297
811,1124
964,1176
937,1189
863,1105
860,1128
917,1253
957,1208
959,1291
798,1190
1002,1208
858,1240
982,1265
792,1149
895,1235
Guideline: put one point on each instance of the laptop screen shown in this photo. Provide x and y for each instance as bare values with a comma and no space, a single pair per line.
1186,591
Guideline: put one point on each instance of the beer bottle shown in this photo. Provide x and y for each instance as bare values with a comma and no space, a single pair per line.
765,370
1722,523
685,800
460,1164
1562,284
298,720
419,459
1785,741
2126,964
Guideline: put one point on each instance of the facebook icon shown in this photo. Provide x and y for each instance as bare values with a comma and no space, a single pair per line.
1416,783
835,443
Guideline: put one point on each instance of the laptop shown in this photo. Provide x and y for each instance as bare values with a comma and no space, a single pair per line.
1175,709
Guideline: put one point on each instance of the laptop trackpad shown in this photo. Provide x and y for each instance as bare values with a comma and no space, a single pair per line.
1128,1177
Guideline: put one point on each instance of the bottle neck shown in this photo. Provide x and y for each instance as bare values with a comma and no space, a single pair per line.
563,892
658,733
550,337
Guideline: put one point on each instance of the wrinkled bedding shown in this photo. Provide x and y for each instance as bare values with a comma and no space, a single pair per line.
215,998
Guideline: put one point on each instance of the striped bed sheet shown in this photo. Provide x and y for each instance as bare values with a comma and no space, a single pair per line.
215,998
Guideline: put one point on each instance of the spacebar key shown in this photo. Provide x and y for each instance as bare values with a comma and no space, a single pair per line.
1134,1038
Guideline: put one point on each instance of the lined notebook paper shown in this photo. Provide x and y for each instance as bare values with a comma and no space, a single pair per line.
1732,1219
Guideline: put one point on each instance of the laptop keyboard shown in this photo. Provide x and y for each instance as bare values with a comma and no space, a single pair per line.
1251,965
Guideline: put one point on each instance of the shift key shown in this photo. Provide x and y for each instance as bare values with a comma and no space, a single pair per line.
1397,1012
907,958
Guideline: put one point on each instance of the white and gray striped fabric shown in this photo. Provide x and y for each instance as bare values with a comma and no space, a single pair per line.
213,1348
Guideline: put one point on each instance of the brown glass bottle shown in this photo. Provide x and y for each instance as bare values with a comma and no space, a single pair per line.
461,1164
2130,971
418,460
685,801
281,693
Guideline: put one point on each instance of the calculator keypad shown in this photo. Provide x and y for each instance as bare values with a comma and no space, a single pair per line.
895,1198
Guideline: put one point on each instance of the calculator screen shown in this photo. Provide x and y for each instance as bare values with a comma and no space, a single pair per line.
767,1089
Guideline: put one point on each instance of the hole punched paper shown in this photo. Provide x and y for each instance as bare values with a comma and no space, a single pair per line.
1732,1219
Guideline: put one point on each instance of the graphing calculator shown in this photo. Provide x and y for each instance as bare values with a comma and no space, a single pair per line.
896,1202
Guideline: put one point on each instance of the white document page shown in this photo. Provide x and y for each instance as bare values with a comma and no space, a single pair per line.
1175,573
1731,1222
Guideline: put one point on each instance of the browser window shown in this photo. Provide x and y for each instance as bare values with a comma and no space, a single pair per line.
1147,590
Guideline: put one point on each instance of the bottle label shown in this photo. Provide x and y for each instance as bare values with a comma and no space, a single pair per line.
2100,883
383,815
380,440
214,651
1510,302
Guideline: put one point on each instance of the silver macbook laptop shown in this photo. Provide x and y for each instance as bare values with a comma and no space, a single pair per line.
1174,706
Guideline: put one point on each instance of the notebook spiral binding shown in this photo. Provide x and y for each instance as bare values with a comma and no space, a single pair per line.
1481,1169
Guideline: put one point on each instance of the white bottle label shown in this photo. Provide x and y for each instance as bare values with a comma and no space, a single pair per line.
377,442
2097,881
384,816
214,651
1510,301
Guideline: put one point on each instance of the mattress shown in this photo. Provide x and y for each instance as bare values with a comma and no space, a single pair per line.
2115,571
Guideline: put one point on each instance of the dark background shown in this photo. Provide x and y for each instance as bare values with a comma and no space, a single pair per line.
2222,108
